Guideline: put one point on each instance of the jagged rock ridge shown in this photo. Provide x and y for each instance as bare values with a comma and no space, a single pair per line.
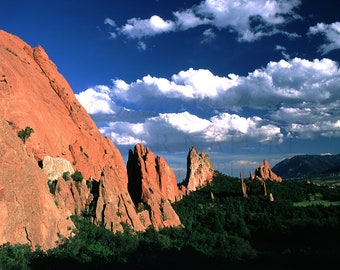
152,185
264,172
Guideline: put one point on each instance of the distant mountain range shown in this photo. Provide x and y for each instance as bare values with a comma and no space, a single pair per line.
302,166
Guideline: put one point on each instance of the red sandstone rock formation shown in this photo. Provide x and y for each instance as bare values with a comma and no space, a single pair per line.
66,140
264,172
33,93
28,212
200,170
153,186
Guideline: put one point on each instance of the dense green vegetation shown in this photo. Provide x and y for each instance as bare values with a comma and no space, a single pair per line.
222,229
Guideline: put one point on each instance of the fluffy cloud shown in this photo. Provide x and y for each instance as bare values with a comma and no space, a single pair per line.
234,126
124,133
189,84
290,82
332,34
96,100
188,19
289,99
309,131
176,131
137,28
250,19
184,122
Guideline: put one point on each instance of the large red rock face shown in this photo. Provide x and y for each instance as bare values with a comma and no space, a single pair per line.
153,186
28,212
33,93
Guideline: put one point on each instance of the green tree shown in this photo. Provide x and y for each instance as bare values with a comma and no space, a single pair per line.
17,256
24,134
66,176
77,176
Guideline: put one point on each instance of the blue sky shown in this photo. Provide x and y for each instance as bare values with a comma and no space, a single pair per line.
243,81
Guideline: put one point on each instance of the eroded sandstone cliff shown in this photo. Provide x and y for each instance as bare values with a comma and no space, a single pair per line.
33,93
38,190
28,213
153,186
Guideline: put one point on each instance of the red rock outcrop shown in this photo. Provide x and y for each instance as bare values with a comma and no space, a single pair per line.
37,191
153,186
264,172
28,212
200,171
33,93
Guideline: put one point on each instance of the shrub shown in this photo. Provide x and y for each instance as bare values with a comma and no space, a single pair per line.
52,184
24,134
66,176
77,176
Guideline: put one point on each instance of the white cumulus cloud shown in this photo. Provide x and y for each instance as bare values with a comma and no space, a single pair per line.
137,28
247,18
331,32
96,100
251,19
295,98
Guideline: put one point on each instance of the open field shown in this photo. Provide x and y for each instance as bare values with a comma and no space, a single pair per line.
316,202
331,182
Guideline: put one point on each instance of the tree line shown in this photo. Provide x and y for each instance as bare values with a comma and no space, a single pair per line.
221,228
